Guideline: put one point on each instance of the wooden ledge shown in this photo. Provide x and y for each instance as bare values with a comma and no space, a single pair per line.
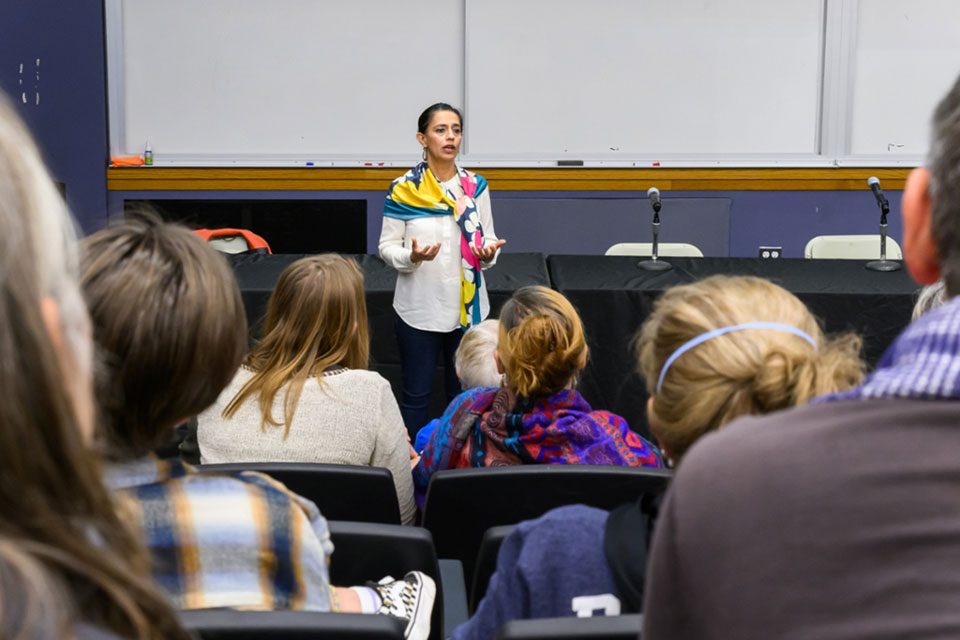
360,179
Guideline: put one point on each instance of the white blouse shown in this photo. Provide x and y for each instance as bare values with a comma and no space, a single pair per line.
427,296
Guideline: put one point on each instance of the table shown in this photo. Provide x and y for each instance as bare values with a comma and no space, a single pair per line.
614,296
258,274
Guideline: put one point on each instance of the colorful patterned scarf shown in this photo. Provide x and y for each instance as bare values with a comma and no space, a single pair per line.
418,193
488,428
922,363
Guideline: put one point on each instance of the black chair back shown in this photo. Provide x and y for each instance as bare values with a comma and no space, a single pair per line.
461,504
340,491
230,624
366,551
597,628
487,562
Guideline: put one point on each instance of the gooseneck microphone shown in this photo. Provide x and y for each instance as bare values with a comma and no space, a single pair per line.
654,194
882,264
874,183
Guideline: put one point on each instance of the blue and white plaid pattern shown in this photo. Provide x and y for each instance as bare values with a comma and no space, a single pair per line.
923,362
226,540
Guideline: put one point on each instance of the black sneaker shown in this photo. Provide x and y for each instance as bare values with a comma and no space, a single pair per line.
410,599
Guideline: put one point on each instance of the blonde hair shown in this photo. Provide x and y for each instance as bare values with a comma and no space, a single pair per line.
541,342
316,317
738,373
474,361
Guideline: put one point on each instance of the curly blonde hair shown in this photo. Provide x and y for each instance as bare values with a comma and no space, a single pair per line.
743,372
541,343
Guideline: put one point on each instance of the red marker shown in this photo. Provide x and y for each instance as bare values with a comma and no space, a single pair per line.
656,164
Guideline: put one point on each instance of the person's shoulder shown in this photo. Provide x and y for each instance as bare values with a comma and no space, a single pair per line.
475,399
776,451
364,377
243,486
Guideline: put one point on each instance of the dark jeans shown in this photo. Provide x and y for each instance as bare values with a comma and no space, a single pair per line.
419,351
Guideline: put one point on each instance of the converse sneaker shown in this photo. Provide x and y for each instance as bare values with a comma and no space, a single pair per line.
410,599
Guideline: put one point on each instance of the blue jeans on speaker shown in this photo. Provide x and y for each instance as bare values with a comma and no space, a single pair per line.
419,351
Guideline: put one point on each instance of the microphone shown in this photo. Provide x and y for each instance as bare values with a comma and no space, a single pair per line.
874,184
654,194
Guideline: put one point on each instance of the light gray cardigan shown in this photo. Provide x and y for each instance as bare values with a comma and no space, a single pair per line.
352,419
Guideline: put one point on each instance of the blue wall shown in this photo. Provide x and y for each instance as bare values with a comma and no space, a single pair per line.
70,121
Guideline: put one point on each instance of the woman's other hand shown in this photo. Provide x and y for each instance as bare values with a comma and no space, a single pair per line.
418,254
486,253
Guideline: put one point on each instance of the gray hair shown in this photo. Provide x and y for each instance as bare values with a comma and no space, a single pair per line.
474,360
944,166
931,297
38,233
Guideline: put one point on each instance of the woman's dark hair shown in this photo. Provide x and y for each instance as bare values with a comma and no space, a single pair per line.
427,115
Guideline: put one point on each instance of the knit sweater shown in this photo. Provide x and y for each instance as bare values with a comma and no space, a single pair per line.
353,418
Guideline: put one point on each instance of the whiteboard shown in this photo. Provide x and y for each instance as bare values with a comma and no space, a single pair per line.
242,79
608,82
603,79
907,56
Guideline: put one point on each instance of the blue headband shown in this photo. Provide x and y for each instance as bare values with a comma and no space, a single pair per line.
703,337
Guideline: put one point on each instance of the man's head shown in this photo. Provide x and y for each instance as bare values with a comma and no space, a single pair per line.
169,326
931,202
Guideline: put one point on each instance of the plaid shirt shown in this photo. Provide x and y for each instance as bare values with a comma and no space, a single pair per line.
226,540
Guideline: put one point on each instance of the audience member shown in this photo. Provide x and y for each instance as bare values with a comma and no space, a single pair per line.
838,519
475,366
171,329
475,363
536,415
304,393
755,369
68,565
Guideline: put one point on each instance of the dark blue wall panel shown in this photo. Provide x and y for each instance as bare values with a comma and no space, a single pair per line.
70,119
779,218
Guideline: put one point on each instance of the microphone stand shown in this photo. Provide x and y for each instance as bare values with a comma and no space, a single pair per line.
654,263
883,264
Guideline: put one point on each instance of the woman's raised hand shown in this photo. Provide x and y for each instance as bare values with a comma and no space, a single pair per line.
486,253
418,254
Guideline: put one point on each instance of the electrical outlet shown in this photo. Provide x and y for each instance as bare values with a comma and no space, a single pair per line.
771,253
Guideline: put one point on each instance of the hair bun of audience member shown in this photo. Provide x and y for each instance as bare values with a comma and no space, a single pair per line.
753,371
542,344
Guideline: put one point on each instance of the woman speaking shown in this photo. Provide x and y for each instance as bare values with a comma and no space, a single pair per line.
438,234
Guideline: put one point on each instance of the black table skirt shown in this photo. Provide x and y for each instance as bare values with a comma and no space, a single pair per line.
614,296
258,274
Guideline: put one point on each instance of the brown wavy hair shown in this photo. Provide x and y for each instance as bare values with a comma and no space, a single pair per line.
316,318
54,508
541,343
738,373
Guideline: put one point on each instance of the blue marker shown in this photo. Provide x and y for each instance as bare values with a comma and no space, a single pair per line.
309,164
